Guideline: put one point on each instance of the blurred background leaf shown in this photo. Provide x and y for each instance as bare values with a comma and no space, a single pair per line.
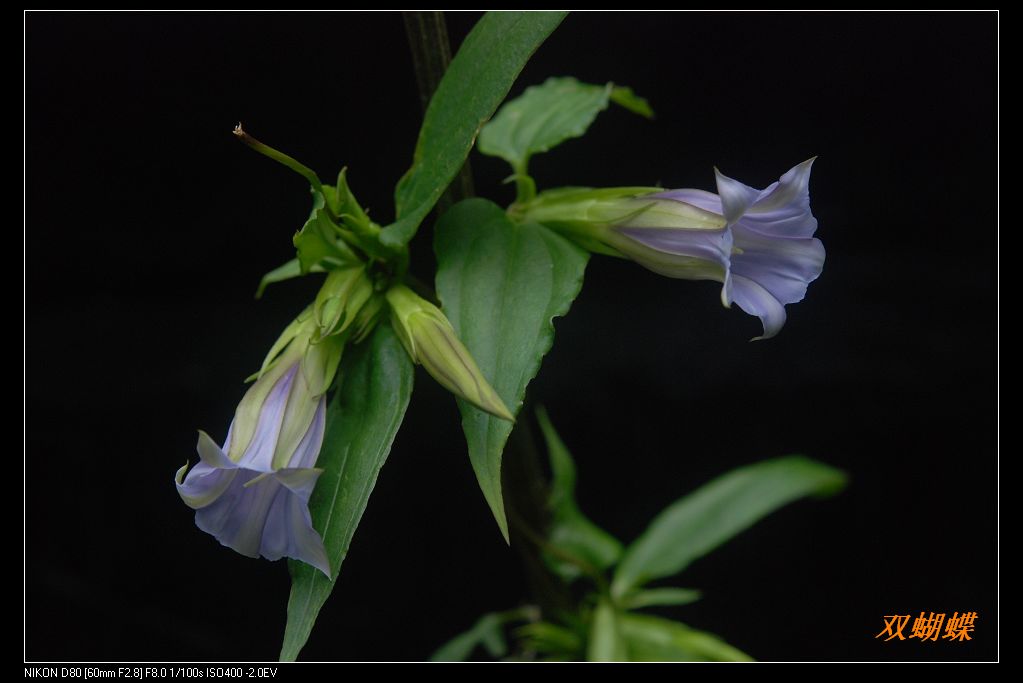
570,530
701,521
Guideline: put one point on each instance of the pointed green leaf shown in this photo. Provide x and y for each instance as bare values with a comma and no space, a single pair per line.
652,639
694,525
374,385
625,98
476,82
488,631
546,115
660,597
570,530
501,285
606,643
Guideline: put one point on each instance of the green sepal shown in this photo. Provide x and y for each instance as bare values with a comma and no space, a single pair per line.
319,243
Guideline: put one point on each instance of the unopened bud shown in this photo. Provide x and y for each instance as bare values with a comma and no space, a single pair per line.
431,341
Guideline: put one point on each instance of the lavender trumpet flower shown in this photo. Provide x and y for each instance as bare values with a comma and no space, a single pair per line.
758,243
252,494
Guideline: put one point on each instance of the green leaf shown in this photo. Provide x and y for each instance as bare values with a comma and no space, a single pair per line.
501,285
606,643
570,530
660,597
546,115
476,82
696,524
488,632
541,118
374,385
652,639
551,639
625,98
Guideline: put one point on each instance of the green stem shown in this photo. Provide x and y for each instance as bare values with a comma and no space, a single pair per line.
526,492
525,186
278,156
542,544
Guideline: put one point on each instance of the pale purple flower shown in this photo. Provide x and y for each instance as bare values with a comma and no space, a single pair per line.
252,495
765,253
758,243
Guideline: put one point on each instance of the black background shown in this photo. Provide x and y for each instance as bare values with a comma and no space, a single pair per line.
148,227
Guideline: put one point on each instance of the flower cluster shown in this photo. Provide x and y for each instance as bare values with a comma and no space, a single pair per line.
253,493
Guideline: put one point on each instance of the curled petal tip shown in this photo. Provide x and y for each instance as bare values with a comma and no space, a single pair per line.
179,476
736,197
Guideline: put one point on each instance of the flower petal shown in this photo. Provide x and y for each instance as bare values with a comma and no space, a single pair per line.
701,199
289,532
259,452
782,266
688,254
209,478
703,244
238,516
308,450
203,485
297,423
683,254
757,301
299,480
266,515
736,198
791,187
211,454
783,208
261,406
667,213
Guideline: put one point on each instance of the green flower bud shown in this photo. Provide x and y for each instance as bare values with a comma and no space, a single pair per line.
339,301
367,317
431,341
